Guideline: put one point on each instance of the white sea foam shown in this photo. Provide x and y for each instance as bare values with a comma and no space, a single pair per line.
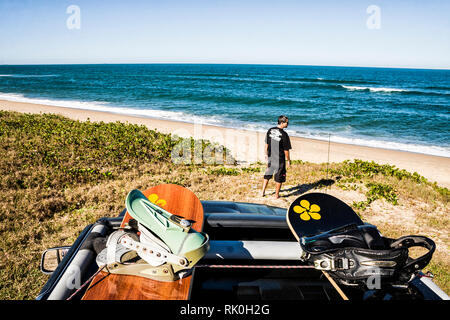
417,148
106,107
223,122
374,89
430,150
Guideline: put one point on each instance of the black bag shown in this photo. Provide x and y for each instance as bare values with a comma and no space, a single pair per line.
360,255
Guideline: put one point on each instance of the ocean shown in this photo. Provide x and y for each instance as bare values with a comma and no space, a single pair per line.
400,109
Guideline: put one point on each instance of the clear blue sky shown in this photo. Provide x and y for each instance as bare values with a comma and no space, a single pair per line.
412,33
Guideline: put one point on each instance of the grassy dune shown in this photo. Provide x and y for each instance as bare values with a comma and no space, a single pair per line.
58,175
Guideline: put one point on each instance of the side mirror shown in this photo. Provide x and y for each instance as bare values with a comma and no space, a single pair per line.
51,258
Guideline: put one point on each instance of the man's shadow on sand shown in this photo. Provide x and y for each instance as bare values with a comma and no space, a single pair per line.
302,188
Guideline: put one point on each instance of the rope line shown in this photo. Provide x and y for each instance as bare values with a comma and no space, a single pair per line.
253,266
86,282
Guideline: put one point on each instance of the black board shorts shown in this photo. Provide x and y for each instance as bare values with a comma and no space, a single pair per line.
277,171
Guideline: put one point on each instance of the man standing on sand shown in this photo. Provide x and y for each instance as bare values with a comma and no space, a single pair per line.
277,149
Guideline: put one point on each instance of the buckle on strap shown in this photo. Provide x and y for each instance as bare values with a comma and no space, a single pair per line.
332,264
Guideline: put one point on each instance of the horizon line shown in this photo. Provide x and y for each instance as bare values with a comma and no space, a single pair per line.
218,63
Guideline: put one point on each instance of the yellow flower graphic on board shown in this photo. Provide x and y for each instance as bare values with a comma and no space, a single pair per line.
156,200
307,210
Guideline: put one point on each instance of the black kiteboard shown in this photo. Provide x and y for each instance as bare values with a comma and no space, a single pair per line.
315,213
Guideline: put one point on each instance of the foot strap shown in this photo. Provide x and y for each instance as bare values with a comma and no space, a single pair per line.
174,231
154,261
152,253
167,245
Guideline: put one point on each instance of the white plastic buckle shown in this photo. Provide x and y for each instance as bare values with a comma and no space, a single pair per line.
152,253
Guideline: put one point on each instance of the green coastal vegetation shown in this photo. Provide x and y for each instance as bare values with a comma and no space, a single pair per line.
58,175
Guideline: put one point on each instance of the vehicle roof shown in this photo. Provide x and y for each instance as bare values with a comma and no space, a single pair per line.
210,206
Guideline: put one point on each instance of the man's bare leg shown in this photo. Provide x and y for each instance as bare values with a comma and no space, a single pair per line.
265,182
277,190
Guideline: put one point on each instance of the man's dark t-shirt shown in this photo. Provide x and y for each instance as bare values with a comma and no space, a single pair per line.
278,141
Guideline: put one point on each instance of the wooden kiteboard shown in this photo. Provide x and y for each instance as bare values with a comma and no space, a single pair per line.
106,286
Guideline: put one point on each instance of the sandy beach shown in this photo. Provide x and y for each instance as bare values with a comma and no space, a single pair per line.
248,146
